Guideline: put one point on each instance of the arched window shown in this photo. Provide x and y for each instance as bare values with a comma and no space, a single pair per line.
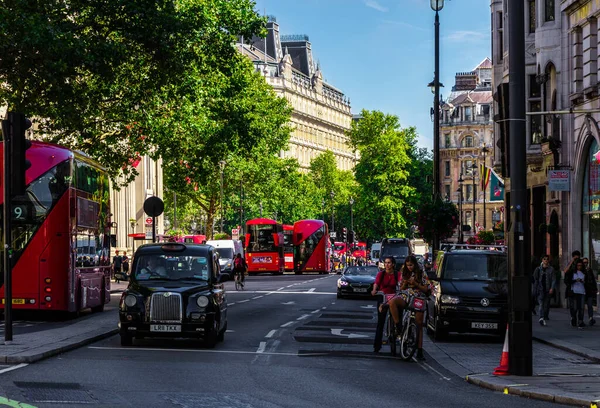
467,141
591,206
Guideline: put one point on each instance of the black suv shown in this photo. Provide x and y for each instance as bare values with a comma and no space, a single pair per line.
470,293
174,291
398,248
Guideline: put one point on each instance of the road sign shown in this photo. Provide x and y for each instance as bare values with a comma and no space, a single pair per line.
235,233
332,234
149,221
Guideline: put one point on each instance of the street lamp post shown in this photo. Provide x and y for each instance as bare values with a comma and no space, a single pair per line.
473,169
332,195
485,150
323,209
351,202
436,5
460,210
222,166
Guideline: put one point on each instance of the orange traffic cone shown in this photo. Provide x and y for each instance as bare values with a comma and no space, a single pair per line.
502,369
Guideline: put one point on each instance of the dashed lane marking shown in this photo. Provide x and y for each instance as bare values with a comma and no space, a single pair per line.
16,367
316,311
312,290
243,301
261,347
287,324
271,334
303,317
257,297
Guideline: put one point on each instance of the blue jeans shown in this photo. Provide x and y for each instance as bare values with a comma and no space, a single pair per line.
589,301
576,304
544,305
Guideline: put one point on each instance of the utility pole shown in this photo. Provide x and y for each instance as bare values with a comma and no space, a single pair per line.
436,6
520,341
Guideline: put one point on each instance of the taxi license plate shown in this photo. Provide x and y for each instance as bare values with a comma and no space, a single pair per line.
15,301
484,325
361,290
166,328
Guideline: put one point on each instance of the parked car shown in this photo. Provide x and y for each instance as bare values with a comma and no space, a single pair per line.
375,251
356,281
174,291
398,248
470,293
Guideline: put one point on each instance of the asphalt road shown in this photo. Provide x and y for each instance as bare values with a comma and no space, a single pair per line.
290,343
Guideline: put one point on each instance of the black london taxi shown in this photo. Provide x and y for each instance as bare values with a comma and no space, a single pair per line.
470,292
174,291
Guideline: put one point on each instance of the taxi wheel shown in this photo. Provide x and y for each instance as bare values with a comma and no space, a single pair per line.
221,335
212,336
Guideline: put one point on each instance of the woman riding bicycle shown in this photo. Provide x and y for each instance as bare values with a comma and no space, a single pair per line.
415,282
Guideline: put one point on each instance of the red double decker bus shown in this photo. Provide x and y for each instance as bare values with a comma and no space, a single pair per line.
312,248
60,233
288,247
264,246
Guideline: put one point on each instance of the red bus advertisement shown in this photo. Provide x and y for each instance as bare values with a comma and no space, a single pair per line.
288,247
60,233
339,248
264,246
360,250
312,248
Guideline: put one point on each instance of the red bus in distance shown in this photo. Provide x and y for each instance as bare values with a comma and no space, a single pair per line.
288,247
360,250
312,248
339,248
264,246
60,233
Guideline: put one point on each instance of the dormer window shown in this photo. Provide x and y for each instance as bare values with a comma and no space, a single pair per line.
468,115
467,141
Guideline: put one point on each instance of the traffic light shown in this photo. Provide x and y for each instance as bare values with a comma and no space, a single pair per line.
344,234
18,146
351,236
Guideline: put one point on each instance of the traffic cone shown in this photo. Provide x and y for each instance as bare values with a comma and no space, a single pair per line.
502,369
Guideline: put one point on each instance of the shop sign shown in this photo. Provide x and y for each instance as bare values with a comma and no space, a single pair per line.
559,180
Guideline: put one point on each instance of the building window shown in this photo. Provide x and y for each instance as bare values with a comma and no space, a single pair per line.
447,140
447,168
467,167
500,22
531,16
467,141
535,123
549,10
534,87
468,115
471,192
447,191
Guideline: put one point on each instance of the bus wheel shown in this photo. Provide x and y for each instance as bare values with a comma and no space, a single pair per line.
98,309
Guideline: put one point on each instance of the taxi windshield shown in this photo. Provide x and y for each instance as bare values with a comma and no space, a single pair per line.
168,267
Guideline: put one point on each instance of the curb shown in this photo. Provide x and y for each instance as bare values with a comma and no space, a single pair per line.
564,347
18,359
537,395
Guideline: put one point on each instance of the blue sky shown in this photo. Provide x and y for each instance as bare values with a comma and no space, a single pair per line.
380,52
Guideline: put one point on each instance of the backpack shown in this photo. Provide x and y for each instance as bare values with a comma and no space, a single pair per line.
238,263
380,280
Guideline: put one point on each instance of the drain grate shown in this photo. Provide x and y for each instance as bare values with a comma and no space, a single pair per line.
56,393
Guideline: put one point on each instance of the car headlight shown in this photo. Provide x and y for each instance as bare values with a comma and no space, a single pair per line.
342,282
202,301
229,265
453,300
130,300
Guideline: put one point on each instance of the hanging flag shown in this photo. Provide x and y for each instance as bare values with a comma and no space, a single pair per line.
496,187
485,176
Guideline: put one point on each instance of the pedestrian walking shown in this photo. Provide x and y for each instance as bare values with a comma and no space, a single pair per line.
125,263
117,266
591,290
575,256
544,286
575,283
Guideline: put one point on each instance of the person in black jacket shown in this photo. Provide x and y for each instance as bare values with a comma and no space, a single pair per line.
591,290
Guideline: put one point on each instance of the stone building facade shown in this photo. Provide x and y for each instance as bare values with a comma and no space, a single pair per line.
466,138
547,136
321,113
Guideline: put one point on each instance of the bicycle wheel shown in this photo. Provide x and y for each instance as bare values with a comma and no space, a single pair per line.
408,345
238,284
391,334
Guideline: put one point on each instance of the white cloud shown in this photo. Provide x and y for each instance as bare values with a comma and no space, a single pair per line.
375,5
466,36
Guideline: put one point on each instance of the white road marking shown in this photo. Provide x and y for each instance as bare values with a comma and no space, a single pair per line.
423,365
231,303
189,350
271,334
261,347
338,332
287,324
281,288
229,331
316,311
312,290
6,370
266,292
257,297
242,301
303,317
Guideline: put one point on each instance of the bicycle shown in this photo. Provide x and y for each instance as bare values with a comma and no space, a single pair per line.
407,339
239,285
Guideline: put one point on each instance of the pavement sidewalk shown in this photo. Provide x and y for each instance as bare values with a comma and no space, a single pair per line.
566,363
35,346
